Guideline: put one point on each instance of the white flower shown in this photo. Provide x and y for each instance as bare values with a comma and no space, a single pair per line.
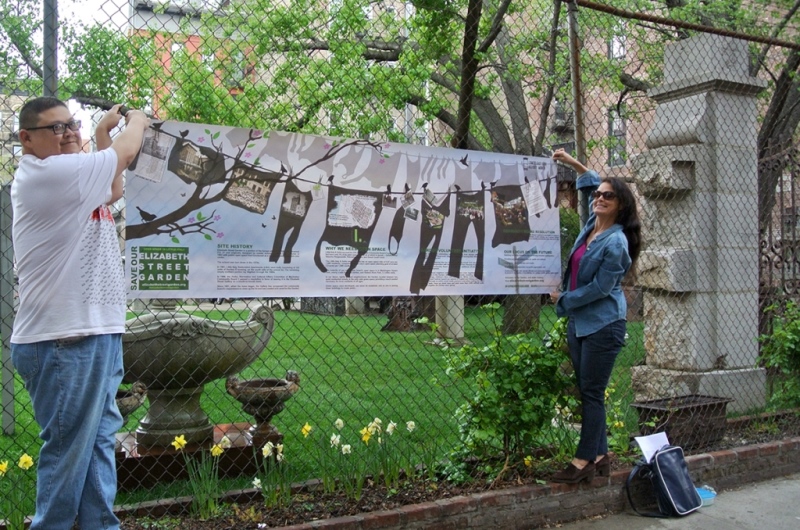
335,440
279,457
390,428
410,425
279,448
267,450
339,424
257,483
346,449
225,442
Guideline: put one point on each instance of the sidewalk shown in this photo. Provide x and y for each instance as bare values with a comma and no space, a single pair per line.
769,505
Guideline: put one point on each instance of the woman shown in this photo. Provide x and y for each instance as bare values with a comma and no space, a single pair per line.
591,296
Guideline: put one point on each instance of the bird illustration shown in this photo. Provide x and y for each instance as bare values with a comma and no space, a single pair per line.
183,194
283,168
184,133
464,160
263,225
146,216
273,217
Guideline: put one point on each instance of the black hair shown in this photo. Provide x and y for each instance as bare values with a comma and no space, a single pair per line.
29,114
628,217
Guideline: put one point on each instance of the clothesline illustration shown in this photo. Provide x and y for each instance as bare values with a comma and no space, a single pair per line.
218,175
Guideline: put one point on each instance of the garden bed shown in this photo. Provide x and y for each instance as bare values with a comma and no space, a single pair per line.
751,450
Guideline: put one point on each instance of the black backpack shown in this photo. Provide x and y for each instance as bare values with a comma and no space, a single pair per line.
673,487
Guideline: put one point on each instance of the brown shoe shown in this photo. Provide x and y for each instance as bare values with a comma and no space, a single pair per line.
602,465
573,475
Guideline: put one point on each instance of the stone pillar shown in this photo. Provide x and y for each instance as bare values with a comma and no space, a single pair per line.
354,305
699,272
450,317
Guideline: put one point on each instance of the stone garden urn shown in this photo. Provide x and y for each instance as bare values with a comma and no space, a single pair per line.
263,399
175,354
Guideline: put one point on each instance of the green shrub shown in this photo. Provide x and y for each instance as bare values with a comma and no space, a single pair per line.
518,385
780,352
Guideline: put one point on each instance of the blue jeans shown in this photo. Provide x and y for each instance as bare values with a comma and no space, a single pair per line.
73,384
593,359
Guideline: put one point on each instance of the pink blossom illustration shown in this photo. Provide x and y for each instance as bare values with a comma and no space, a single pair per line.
382,160
201,139
248,154
191,219
217,217
326,146
220,235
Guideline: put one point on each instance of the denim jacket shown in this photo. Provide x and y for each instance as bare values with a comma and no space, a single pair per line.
598,299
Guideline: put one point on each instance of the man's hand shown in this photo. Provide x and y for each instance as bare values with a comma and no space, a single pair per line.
104,127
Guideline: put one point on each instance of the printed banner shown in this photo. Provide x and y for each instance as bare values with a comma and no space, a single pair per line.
224,212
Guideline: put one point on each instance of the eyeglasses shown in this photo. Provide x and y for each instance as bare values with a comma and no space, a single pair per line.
607,195
59,128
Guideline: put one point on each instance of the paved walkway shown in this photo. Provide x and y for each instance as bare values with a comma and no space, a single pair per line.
770,505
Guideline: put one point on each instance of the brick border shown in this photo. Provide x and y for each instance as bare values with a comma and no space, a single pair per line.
537,506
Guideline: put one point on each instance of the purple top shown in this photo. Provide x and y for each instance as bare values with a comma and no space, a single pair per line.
574,262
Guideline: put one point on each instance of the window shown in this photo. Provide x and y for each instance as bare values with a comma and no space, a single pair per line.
616,138
617,47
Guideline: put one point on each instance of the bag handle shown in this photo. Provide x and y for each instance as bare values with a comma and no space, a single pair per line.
635,471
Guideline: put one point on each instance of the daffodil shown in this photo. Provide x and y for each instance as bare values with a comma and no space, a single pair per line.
335,440
410,426
365,435
225,442
390,428
257,483
528,461
375,426
267,449
339,424
179,442
618,424
346,449
3,467
279,452
306,430
217,450
25,462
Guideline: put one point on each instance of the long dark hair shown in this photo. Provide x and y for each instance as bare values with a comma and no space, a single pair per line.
628,217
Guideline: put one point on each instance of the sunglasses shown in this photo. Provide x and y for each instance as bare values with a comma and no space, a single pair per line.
606,195
59,128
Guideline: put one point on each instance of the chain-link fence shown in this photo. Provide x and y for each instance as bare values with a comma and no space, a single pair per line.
703,133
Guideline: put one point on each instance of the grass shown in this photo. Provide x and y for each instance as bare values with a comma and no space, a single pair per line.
349,370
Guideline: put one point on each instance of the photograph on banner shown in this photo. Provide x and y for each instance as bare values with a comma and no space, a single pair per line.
226,212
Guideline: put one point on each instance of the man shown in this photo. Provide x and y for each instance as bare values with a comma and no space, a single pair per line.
67,338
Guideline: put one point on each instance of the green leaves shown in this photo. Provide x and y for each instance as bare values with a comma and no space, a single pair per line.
517,384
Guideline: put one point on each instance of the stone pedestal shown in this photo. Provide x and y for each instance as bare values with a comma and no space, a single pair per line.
699,272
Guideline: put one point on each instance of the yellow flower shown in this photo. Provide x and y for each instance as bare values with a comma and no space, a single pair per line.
3,467
618,424
365,435
306,430
217,450
339,424
179,442
267,449
25,462
528,461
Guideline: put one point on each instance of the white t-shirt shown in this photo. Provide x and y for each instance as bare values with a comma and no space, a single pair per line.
67,254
